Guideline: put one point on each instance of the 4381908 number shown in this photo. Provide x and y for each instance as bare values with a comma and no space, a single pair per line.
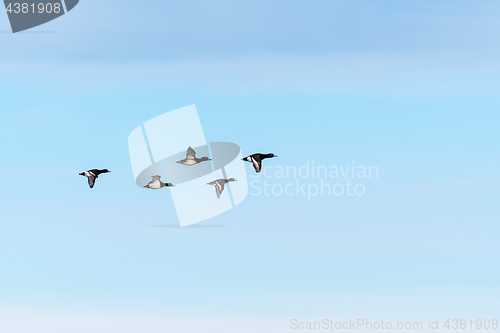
41,8
470,324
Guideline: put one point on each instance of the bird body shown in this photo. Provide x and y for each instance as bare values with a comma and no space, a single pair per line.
92,175
256,160
191,158
219,185
156,183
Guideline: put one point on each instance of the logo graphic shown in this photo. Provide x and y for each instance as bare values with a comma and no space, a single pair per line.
26,14
161,146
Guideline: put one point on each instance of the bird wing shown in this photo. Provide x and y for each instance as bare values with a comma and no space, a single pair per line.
219,188
96,172
256,164
91,181
190,153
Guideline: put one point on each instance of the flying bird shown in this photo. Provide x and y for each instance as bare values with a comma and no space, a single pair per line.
191,158
256,160
219,185
92,175
156,183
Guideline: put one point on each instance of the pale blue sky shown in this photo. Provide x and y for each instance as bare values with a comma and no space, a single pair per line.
411,87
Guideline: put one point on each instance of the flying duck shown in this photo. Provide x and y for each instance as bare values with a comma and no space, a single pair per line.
191,159
256,160
156,183
92,175
219,185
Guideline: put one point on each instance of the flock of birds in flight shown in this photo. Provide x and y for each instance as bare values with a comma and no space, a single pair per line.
191,159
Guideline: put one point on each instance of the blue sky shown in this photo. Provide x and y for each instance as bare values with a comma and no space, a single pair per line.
410,87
